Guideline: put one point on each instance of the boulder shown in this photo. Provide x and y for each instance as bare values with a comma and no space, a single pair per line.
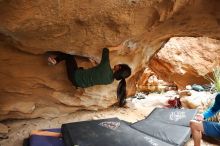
186,60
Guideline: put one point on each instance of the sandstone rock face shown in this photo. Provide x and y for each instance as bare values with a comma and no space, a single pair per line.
4,129
186,60
29,88
77,27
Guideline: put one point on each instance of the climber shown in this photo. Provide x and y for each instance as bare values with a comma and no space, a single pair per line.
199,125
101,74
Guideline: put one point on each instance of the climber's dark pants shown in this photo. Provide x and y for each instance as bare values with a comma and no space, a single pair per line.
71,64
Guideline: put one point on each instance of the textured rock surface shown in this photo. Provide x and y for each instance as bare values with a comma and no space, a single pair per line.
3,129
29,88
77,27
186,60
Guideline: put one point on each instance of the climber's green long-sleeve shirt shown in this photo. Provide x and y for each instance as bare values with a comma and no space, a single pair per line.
102,74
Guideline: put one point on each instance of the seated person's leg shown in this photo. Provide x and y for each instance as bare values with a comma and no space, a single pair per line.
197,129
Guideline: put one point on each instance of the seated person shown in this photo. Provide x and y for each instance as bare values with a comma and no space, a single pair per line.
199,126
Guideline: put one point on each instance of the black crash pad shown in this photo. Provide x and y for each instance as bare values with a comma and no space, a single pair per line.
179,117
106,132
173,134
168,125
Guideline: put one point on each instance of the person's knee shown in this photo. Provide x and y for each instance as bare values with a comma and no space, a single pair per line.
195,125
192,124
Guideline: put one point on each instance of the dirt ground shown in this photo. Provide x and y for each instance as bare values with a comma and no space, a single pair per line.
137,109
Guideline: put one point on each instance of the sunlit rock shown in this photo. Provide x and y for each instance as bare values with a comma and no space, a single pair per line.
186,60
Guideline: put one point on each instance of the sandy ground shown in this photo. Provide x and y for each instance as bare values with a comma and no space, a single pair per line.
137,110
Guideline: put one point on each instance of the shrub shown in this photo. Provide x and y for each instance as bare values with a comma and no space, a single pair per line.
215,79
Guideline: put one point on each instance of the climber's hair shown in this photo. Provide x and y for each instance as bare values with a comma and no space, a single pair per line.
123,72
